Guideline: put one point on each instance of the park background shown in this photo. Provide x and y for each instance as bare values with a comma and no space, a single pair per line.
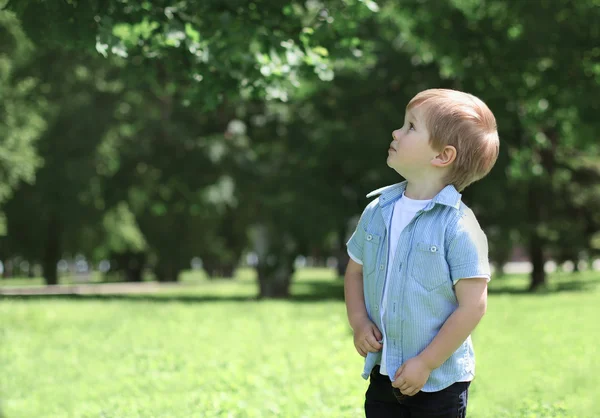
178,180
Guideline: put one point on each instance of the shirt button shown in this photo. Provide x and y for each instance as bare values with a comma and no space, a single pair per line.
433,248
369,237
376,307
381,267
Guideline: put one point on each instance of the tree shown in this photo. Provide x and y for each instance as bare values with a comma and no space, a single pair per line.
230,50
169,170
46,219
532,62
314,159
183,174
265,52
21,118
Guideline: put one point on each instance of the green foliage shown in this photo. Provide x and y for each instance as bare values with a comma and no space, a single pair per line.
21,120
61,212
229,50
171,166
532,63
122,232
315,89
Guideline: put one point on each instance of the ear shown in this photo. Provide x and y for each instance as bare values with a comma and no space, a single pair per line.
445,157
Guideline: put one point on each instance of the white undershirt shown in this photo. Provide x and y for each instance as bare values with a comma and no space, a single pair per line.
404,211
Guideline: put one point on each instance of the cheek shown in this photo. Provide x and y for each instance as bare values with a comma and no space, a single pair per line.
406,143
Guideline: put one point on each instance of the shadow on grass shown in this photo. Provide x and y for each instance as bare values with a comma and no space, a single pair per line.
581,285
302,291
131,298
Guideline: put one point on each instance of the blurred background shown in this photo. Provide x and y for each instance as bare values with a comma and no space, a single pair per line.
228,146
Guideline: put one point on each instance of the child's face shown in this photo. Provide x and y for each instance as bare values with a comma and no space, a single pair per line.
410,153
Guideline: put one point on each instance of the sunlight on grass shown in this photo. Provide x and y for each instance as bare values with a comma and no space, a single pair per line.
211,350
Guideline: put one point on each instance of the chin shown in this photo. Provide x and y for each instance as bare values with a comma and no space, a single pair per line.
395,168
392,166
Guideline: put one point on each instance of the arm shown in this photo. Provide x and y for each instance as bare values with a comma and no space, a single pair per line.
467,256
354,295
366,333
472,303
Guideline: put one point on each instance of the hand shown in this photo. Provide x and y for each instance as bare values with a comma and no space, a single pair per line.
412,376
367,337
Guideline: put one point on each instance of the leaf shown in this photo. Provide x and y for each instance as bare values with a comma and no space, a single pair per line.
371,5
321,51
102,48
192,33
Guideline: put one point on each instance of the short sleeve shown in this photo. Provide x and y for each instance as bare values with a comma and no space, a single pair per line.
467,253
355,244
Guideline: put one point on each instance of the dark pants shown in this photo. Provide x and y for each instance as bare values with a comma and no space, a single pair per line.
383,400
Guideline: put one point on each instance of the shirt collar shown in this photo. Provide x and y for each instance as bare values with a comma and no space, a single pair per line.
448,196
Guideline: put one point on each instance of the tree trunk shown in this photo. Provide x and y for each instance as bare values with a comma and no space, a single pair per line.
342,263
274,281
575,262
538,193
536,253
342,257
219,269
134,267
541,192
276,254
133,275
166,272
228,270
499,269
52,252
500,252
8,269
233,241
131,263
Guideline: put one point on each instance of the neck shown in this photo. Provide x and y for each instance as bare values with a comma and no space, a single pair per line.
423,190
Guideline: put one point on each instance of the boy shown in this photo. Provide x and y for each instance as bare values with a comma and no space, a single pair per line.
416,282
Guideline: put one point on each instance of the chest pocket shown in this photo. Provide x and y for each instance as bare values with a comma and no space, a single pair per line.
429,266
370,251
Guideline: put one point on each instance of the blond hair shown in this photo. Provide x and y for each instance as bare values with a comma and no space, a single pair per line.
465,122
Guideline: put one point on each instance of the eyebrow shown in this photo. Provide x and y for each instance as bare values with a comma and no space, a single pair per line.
412,116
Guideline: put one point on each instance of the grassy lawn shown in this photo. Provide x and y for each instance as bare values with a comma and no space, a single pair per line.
211,351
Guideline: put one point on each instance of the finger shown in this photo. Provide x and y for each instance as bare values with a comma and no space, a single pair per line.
414,392
399,372
398,382
377,333
373,343
405,388
359,350
407,391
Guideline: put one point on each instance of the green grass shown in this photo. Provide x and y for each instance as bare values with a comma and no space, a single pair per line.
210,350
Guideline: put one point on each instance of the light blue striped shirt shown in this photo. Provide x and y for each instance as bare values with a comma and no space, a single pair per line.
441,245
